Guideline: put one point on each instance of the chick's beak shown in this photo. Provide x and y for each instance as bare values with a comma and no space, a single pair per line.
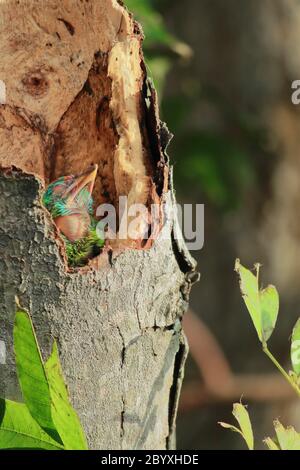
85,179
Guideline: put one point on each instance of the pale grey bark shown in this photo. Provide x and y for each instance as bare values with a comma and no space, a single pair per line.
118,329
117,322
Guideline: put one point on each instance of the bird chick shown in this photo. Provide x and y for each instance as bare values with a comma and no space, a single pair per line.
69,201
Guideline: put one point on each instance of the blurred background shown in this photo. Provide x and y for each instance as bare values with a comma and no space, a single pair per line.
223,70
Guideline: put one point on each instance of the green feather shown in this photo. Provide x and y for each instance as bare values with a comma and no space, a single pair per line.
79,252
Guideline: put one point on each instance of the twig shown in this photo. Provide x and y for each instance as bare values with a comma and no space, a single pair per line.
220,384
253,387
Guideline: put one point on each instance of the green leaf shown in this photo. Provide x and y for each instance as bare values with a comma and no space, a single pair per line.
262,305
31,373
269,300
152,22
19,430
288,438
158,67
271,444
295,348
212,164
241,415
250,293
229,426
64,416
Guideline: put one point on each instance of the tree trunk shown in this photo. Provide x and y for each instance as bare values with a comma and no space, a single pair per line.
245,57
76,94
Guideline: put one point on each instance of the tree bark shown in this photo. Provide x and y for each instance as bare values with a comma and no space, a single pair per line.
77,93
245,60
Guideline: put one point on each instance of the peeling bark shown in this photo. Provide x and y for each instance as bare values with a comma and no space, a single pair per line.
77,94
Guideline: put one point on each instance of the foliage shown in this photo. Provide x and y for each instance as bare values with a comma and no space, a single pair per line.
245,428
156,34
160,46
214,165
285,439
80,251
263,308
295,349
152,22
216,159
46,419
262,304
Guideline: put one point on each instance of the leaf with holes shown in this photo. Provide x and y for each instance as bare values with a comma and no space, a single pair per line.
288,438
262,305
242,416
271,444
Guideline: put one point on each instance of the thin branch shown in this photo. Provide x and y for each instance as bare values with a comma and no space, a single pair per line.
281,369
220,384
252,387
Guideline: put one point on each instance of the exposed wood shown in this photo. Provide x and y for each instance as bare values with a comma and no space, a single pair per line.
76,94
